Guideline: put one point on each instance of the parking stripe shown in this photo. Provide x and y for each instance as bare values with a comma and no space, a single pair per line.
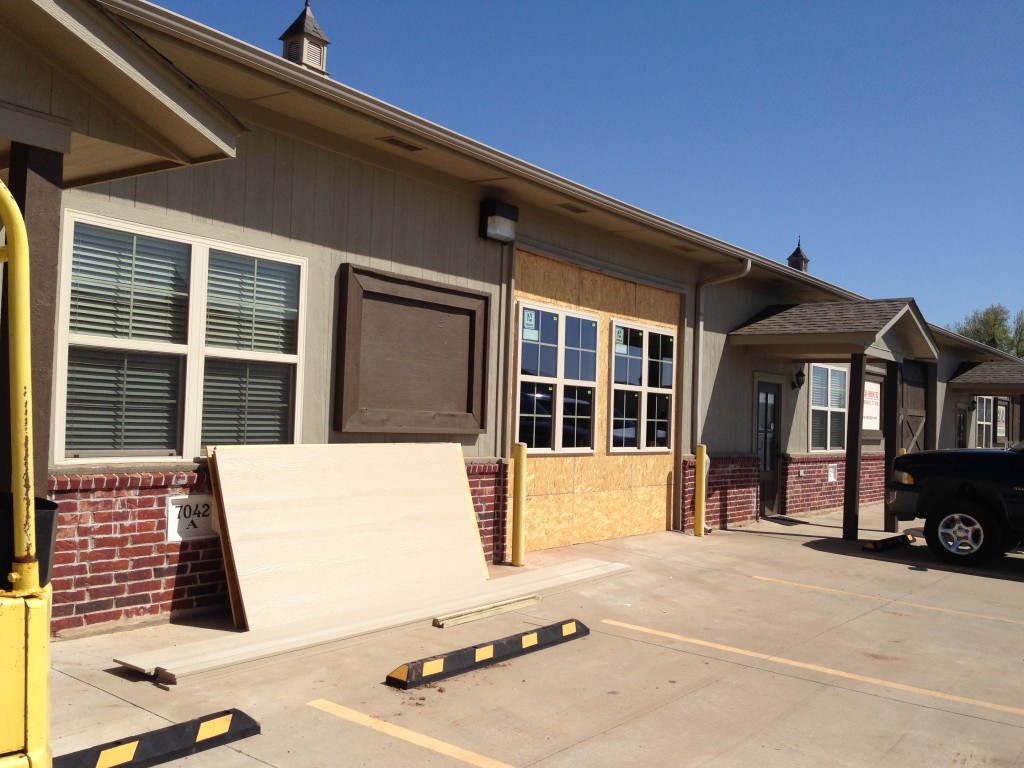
889,600
816,668
419,739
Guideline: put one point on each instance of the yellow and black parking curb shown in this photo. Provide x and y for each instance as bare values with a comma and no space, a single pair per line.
889,543
416,673
166,744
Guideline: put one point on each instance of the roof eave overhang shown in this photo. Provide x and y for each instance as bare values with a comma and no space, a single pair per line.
905,335
179,123
518,178
1007,389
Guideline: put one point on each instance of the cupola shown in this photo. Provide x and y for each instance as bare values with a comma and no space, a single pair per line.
797,260
305,42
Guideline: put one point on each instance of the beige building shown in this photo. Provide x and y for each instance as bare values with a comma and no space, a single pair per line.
229,246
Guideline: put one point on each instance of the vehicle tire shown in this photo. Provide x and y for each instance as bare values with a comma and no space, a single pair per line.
964,533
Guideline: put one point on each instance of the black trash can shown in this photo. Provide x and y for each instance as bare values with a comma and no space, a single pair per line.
46,537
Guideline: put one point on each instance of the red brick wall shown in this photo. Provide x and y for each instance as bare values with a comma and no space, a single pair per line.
812,491
732,495
112,561
733,492
488,484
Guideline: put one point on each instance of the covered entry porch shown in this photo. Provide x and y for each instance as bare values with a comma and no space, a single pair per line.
885,336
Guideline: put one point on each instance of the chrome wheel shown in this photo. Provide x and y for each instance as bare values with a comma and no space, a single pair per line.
965,533
961,534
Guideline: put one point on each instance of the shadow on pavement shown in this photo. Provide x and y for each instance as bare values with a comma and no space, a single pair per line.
917,557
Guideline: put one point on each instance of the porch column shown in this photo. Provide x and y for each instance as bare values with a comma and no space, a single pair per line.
35,179
891,430
854,422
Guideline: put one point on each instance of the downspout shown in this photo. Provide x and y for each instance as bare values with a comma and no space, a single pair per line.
698,348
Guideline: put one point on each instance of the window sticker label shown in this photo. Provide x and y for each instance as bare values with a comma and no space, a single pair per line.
530,330
620,341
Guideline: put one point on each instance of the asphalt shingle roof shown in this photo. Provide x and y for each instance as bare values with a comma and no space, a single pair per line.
824,317
988,374
306,24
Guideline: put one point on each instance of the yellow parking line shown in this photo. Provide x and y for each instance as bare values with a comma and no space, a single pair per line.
888,600
420,740
816,668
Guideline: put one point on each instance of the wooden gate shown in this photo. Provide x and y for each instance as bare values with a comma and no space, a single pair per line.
913,405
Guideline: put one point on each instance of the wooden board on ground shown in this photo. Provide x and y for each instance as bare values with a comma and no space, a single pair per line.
223,651
346,531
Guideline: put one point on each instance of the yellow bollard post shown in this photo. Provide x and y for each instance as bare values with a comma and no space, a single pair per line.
700,494
519,504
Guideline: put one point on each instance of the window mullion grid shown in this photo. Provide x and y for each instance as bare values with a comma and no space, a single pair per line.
651,388
563,383
643,390
837,409
558,396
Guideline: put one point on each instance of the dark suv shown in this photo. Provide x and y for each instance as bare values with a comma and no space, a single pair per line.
972,501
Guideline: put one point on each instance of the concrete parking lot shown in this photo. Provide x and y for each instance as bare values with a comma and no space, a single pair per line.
774,644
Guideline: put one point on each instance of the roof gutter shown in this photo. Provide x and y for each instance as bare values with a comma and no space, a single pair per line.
698,347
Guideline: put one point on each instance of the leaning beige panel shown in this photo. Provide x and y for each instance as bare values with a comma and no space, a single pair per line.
348,530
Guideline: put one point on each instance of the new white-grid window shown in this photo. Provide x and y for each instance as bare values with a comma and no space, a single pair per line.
557,379
643,388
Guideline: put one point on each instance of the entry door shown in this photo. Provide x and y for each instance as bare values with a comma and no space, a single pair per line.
768,396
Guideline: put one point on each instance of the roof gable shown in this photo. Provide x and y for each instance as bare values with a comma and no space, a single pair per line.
119,106
887,329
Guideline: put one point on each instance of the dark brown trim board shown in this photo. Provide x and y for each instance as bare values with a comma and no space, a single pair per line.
412,355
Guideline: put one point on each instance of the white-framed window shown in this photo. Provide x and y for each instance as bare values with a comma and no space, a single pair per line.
557,383
984,417
828,407
643,388
170,343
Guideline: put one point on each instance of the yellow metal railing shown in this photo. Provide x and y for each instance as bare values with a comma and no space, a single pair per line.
25,569
25,607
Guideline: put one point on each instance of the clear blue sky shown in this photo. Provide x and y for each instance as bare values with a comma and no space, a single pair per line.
888,135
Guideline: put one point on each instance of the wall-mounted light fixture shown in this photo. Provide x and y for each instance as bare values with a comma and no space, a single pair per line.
799,378
498,221
973,405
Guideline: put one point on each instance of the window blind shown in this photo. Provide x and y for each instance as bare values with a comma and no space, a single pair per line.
246,403
252,304
129,286
122,401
